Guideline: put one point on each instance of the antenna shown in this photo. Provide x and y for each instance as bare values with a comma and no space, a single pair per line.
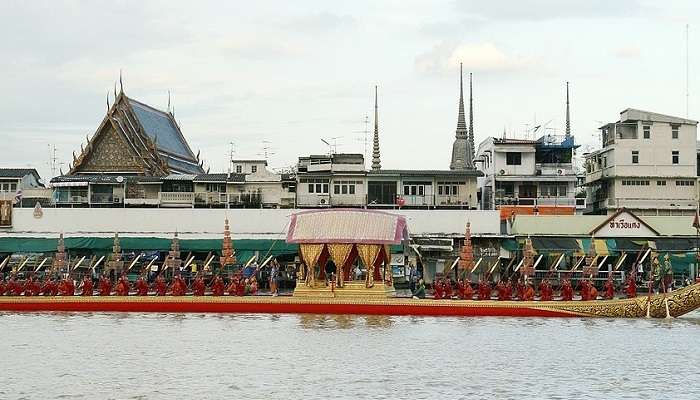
364,139
266,149
687,68
332,148
230,158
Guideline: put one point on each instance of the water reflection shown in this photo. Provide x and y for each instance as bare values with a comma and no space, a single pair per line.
103,355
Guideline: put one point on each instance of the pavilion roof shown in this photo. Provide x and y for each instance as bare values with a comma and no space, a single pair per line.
347,226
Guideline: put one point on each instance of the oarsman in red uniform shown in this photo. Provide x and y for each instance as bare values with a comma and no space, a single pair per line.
87,285
161,287
546,293
468,290
141,286
437,289
240,287
3,285
178,287
460,289
217,286
31,287
66,287
501,289
447,292
104,287
484,290
509,291
232,285
520,290
609,289
631,289
585,290
198,286
567,292
529,293
123,286
14,288
592,292
49,288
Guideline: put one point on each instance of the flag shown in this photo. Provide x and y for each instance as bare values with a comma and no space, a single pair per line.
18,196
696,221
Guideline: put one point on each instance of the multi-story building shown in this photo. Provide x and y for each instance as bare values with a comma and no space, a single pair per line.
336,180
528,176
23,186
647,164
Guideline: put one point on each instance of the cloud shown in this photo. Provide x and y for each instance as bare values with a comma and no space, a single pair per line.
627,52
541,10
321,22
477,57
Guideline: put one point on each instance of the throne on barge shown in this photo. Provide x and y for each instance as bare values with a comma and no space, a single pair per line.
333,242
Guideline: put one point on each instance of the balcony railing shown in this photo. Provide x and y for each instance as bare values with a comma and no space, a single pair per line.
535,201
101,198
176,198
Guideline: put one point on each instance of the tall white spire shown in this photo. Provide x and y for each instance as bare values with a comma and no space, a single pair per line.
376,161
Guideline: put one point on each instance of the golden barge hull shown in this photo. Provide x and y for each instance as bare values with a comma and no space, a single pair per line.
677,303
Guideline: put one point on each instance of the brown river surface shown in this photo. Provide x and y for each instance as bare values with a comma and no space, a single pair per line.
229,356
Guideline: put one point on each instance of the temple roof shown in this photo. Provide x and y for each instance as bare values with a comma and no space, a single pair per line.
151,136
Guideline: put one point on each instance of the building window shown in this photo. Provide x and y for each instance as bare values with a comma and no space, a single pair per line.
415,188
239,169
674,131
628,182
674,156
216,187
647,132
553,190
660,183
345,187
317,186
254,168
635,157
513,158
449,188
685,183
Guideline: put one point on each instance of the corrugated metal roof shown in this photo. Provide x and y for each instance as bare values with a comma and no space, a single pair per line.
425,172
180,177
17,172
211,178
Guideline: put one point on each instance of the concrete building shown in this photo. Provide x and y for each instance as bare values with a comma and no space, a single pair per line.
647,164
24,186
528,176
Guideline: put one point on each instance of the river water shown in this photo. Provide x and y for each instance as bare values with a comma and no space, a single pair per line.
193,356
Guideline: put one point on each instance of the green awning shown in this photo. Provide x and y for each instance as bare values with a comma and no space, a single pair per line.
104,245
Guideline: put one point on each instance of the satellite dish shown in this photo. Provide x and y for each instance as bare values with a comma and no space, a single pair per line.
120,179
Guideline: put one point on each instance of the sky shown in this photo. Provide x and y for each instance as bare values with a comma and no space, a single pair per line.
278,77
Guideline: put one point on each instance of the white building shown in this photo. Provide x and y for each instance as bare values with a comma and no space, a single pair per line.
524,175
648,164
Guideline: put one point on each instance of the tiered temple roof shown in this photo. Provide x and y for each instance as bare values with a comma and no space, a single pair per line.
136,139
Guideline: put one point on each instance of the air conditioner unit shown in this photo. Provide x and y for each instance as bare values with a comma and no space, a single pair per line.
560,171
538,172
116,199
502,172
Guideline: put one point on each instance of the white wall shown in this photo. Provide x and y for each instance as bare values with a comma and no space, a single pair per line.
193,223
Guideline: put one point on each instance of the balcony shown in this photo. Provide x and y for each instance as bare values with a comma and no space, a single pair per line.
103,198
176,199
540,201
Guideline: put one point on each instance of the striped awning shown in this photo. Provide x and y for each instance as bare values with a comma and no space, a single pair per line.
347,226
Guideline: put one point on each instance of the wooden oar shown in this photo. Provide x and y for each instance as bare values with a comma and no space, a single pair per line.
133,262
4,262
41,265
97,263
23,264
